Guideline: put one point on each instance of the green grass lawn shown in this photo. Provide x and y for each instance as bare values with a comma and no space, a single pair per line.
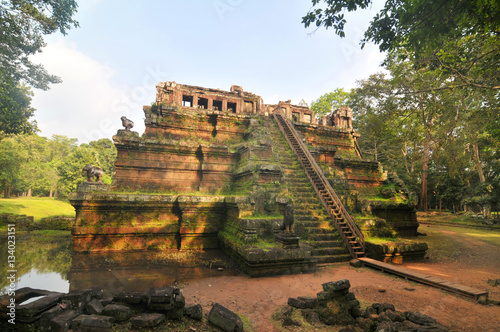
38,207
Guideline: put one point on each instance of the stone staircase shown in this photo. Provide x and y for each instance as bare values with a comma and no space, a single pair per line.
312,224
317,207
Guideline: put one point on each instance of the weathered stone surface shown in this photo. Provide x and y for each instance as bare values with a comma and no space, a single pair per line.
119,312
94,323
31,311
336,286
180,301
194,311
370,311
46,317
161,306
303,302
419,318
129,297
175,313
310,316
147,320
366,324
94,307
106,297
384,307
355,263
225,319
60,322
288,321
393,316
77,321
162,295
77,299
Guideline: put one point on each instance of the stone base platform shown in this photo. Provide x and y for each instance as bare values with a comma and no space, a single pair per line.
260,261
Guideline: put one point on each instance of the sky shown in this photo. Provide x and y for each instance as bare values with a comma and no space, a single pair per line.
111,64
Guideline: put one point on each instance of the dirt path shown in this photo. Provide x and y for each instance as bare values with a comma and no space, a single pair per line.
454,256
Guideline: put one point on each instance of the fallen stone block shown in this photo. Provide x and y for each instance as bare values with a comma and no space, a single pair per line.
162,295
355,263
303,302
225,319
77,321
94,307
129,297
119,312
30,312
175,313
180,301
194,311
78,299
147,320
93,323
420,319
384,307
60,322
336,286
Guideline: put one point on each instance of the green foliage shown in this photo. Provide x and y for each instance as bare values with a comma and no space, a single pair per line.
37,207
15,109
23,23
437,136
35,165
329,102
411,23
459,37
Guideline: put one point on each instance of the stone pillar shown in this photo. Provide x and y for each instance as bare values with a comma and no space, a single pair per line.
224,105
195,101
210,103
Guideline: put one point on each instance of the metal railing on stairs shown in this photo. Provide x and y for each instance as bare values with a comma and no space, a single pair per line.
350,232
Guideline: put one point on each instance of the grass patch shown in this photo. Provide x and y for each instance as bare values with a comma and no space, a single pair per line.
38,207
488,236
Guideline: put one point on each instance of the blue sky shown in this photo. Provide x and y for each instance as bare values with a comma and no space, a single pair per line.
123,48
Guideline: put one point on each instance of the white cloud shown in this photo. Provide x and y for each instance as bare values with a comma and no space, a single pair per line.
87,105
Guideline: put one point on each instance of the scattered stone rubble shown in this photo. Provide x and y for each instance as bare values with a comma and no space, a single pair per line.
335,305
97,310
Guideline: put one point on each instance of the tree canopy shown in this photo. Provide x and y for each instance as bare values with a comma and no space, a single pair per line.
415,24
23,23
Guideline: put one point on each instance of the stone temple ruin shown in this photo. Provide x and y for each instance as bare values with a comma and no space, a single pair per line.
216,169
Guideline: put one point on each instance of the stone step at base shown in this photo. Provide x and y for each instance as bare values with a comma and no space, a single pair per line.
314,221
329,251
332,259
319,230
323,237
325,244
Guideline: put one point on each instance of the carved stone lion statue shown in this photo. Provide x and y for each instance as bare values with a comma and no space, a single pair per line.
93,172
288,220
128,124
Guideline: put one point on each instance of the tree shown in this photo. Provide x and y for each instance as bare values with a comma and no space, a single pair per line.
22,26
461,37
23,23
416,24
330,101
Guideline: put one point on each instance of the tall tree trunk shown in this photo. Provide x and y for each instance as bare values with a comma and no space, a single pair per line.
425,170
477,161
479,167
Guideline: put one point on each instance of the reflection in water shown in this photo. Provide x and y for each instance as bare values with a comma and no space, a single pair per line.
44,260
137,271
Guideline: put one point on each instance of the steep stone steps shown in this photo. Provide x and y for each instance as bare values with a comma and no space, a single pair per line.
309,214
351,236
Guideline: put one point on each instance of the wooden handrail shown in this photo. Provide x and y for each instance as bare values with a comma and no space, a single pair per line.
354,229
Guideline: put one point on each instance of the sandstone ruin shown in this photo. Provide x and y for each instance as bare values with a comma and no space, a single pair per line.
213,170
